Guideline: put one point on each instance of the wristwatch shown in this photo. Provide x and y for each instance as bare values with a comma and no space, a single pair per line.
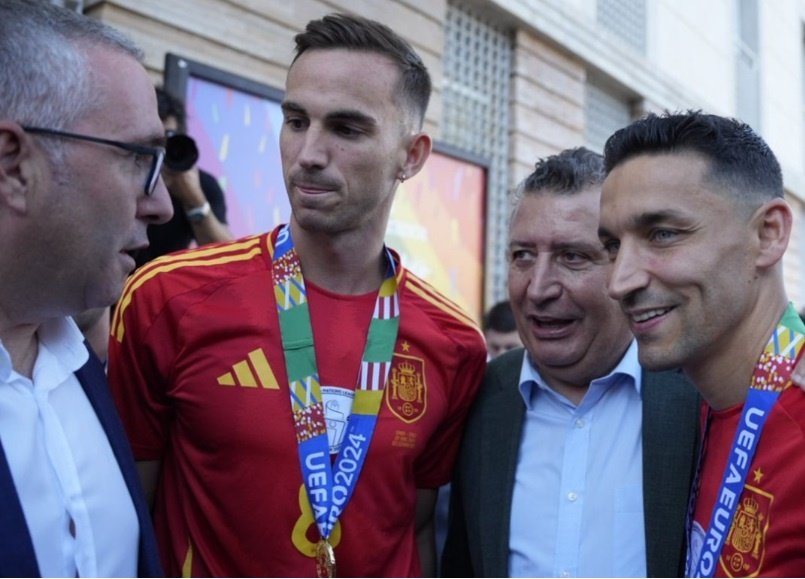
196,214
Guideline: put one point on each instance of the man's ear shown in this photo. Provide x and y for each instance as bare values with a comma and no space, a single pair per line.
772,223
419,147
16,156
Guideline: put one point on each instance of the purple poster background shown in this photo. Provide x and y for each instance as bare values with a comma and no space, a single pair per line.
238,139
437,221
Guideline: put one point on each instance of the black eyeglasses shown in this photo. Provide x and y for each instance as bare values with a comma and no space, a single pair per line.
157,154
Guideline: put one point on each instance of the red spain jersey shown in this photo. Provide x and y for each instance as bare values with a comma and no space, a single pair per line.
197,369
767,535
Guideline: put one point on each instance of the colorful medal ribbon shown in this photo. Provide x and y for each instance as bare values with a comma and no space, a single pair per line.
772,376
329,488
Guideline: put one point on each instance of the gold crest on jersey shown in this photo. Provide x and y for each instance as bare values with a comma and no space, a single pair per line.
406,391
745,547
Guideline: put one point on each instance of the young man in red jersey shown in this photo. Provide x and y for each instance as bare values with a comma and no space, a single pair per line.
695,220
299,395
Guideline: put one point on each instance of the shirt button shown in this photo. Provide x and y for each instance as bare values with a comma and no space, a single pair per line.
572,496
580,423
565,573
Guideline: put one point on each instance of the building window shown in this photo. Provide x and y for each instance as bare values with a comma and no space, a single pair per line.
605,112
475,112
747,64
76,5
626,19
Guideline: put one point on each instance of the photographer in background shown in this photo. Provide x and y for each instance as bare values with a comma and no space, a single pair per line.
199,208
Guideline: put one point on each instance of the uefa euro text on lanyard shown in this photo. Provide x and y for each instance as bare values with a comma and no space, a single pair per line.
329,488
771,376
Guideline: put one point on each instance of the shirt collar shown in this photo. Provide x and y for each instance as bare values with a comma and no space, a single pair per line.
61,338
5,364
628,367
65,341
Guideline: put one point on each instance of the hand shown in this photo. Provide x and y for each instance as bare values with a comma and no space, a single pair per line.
185,187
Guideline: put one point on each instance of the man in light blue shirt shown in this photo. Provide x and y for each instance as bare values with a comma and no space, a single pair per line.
591,453
575,462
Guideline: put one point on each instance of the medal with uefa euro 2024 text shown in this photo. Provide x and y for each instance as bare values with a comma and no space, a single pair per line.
330,487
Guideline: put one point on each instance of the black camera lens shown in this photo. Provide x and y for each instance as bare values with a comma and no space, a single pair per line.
181,152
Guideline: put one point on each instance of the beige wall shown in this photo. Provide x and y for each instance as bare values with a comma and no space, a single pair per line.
691,42
781,84
254,38
548,103
689,63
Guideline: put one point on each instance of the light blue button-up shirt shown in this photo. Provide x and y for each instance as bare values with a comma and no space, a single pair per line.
577,508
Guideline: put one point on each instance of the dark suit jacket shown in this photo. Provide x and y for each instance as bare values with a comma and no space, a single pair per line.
477,542
17,557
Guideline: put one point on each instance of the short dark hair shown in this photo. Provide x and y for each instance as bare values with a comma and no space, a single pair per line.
568,172
500,318
738,157
361,34
170,106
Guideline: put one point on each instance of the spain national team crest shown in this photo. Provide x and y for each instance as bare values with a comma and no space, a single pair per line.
745,547
406,391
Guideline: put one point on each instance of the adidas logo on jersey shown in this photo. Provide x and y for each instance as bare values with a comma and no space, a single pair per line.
252,372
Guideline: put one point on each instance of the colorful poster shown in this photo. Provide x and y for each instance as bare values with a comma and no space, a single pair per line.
237,134
437,222
437,225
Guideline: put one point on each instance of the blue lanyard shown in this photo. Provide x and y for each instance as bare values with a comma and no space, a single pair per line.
771,376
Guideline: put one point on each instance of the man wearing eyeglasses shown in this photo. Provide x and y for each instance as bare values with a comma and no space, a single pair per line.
81,148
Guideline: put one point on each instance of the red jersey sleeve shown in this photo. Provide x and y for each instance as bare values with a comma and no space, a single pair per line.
456,355
148,334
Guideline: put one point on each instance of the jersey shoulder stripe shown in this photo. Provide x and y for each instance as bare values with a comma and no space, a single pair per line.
433,296
207,256
214,249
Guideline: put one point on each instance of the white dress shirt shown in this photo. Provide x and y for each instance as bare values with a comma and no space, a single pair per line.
577,507
78,509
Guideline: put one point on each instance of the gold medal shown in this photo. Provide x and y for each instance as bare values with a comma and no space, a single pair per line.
325,559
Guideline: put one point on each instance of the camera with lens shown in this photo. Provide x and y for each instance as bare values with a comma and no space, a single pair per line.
181,152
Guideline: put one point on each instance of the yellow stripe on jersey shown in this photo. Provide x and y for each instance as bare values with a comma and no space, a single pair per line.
438,295
159,263
187,566
206,251
263,368
428,293
270,245
167,264
240,245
